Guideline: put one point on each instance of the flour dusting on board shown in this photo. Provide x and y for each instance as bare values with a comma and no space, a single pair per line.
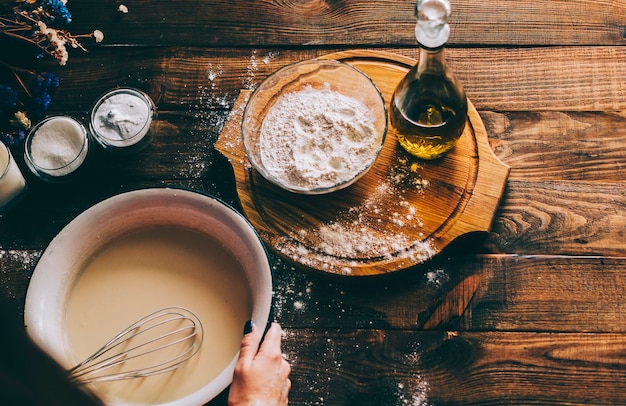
373,229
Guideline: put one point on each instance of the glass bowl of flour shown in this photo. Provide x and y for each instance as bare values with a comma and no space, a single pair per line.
315,126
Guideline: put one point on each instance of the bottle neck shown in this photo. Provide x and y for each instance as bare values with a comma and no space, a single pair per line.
431,60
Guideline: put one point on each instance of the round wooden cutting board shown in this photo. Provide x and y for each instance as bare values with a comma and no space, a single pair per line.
401,213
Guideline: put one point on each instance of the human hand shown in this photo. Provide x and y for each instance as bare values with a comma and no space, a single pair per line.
261,375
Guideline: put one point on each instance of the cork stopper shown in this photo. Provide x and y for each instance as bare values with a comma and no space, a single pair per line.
432,29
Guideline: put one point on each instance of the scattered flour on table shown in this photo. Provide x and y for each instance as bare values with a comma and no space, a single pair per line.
336,355
24,260
437,277
413,391
209,117
269,56
317,138
249,80
376,228
210,97
292,291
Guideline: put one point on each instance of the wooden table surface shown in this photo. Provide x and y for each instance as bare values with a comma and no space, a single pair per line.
533,314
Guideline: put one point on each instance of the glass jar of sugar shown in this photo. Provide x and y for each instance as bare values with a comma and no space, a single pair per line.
121,120
56,148
12,183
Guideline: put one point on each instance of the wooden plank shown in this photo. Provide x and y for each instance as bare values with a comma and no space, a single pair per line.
461,292
194,79
355,22
567,218
524,79
448,368
496,293
560,146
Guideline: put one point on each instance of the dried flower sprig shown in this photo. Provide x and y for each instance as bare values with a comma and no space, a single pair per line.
32,22
40,24
17,113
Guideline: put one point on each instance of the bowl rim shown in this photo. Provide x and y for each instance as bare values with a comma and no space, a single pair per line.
43,300
316,190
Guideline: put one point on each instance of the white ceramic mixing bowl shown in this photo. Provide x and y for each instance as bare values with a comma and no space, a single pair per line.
61,263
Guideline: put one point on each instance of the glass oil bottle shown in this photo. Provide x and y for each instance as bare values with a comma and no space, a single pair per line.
429,108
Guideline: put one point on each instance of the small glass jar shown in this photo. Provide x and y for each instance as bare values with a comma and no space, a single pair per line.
12,183
121,120
56,148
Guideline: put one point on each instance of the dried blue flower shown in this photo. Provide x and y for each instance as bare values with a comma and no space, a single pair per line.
14,138
41,87
44,82
57,9
8,98
40,105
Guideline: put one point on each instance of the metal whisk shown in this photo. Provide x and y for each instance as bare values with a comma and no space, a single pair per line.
157,343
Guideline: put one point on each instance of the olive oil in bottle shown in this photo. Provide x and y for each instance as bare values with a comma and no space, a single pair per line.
429,108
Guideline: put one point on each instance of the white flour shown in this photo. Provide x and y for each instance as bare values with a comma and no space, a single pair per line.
386,225
317,138
58,146
124,117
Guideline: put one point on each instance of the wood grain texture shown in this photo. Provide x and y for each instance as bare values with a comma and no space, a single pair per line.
560,146
469,293
451,368
557,294
589,217
311,23
495,79
531,314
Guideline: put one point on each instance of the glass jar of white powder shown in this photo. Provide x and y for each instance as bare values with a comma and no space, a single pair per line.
121,120
56,148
